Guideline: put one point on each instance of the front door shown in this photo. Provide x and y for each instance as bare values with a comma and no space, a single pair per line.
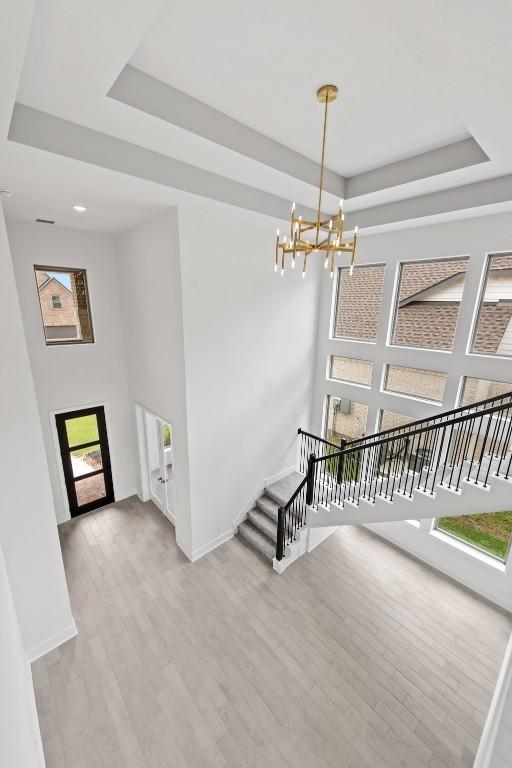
85,459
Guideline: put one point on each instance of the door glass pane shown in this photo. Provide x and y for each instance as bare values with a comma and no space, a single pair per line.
166,435
90,489
83,429
85,460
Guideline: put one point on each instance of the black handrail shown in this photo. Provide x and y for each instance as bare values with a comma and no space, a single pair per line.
290,517
353,447
315,437
402,460
309,444
436,417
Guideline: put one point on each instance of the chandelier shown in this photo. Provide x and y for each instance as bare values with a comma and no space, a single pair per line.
325,235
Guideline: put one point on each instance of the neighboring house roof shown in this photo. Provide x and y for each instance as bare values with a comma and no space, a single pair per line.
418,276
494,319
444,283
358,317
420,323
41,278
424,324
421,276
48,282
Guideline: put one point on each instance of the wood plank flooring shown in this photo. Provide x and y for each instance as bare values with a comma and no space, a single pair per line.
356,657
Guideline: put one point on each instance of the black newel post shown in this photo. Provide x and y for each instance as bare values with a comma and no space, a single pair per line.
280,534
339,472
310,487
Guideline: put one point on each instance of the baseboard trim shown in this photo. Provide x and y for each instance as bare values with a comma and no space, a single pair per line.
278,476
212,544
260,490
53,642
38,743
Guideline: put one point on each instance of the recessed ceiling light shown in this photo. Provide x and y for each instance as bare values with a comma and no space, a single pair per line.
79,208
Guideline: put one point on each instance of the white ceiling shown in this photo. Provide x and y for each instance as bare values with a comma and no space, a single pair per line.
413,75
409,72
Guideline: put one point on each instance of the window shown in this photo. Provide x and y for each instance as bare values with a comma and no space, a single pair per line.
493,332
474,390
490,533
358,302
346,419
428,303
415,382
392,420
415,451
350,369
64,303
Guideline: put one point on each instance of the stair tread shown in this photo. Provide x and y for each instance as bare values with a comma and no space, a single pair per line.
268,506
257,539
281,490
265,523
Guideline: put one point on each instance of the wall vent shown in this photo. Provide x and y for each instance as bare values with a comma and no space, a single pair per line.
45,221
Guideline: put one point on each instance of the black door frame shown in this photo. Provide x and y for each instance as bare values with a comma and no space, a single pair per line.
65,452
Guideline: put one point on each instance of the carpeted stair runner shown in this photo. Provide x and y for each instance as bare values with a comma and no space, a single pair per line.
260,528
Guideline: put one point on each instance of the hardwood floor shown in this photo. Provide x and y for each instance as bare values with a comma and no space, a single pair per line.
356,657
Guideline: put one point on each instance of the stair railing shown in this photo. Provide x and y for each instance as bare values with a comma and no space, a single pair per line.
447,449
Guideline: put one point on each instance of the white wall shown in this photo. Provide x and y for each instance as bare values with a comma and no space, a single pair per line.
69,377
148,264
495,746
233,372
20,739
472,237
28,534
249,355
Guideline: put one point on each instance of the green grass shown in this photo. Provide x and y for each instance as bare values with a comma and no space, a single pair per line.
490,532
351,466
83,429
166,431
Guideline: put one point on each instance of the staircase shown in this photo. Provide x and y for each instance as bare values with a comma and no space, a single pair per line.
260,528
457,463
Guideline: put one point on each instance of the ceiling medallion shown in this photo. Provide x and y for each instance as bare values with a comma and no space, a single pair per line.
327,235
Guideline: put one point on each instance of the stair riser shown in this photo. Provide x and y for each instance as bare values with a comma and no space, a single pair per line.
254,538
271,513
265,527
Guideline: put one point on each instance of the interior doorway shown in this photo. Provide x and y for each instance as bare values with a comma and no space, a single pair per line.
160,460
85,454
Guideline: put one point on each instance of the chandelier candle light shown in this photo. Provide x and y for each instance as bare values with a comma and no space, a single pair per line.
327,233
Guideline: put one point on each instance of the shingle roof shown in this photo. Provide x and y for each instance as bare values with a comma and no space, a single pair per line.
493,322
426,324
418,323
359,299
419,276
